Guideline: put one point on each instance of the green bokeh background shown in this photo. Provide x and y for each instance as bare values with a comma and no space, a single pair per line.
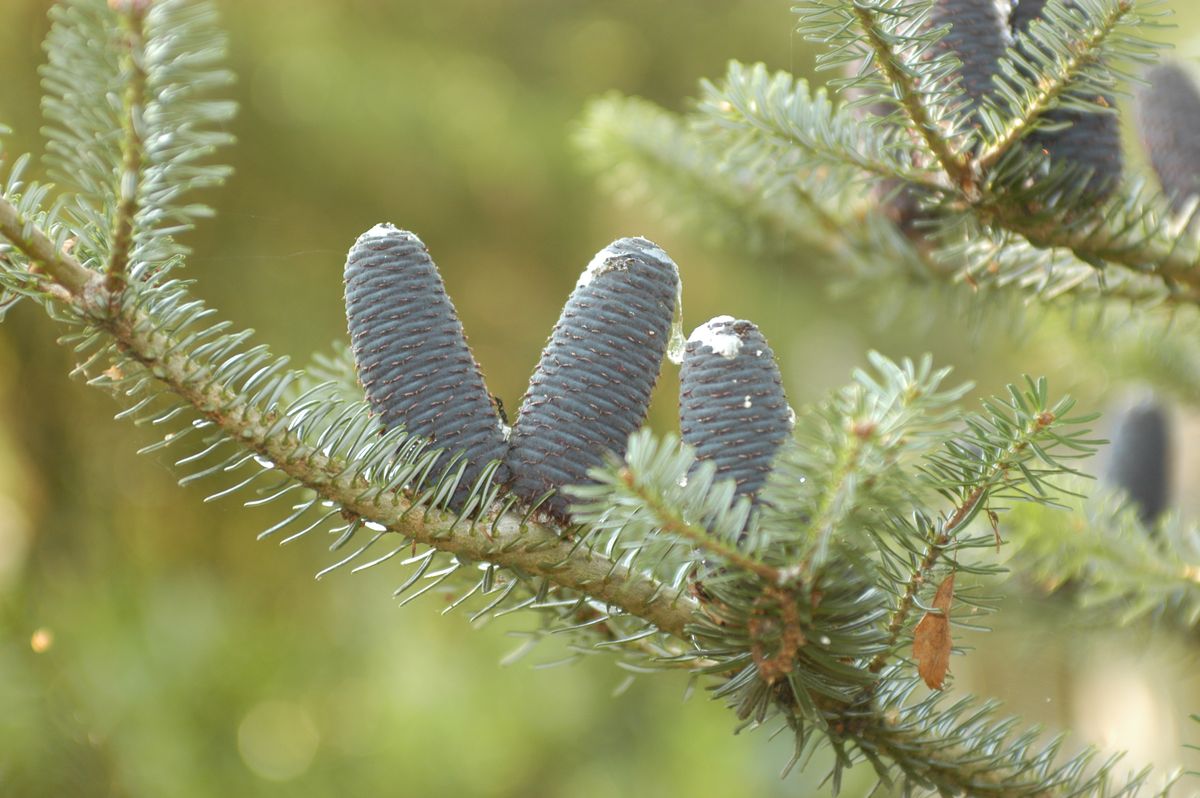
186,659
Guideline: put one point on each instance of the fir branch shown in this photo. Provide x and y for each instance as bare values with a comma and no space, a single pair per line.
36,245
756,185
788,131
646,156
782,109
991,260
80,78
920,575
845,474
668,520
1107,563
966,749
801,649
534,549
914,738
749,194
167,53
133,102
891,62
660,506
1134,237
1010,450
855,450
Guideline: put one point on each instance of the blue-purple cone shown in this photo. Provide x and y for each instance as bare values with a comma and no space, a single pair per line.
412,356
1091,139
1168,120
1140,459
592,386
732,407
978,37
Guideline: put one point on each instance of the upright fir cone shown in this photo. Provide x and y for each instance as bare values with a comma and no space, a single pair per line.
978,37
1140,458
732,408
1168,119
592,386
412,357
1091,139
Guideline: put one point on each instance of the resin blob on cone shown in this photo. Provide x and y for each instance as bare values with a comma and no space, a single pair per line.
732,408
411,354
1168,117
592,386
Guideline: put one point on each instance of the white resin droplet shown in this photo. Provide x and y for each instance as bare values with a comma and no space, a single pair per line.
791,416
747,402
713,335
379,230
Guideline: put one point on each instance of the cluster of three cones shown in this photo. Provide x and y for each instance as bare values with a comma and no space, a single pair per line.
591,388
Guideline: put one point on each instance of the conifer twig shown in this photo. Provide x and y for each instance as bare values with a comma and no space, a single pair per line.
672,522
844,471
1178,264
31,240
133,15
954,165
963,513
921,573
1084,53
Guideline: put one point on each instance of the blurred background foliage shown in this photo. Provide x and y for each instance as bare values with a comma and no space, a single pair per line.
150,647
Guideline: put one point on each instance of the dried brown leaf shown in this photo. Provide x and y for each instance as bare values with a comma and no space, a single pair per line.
931,638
